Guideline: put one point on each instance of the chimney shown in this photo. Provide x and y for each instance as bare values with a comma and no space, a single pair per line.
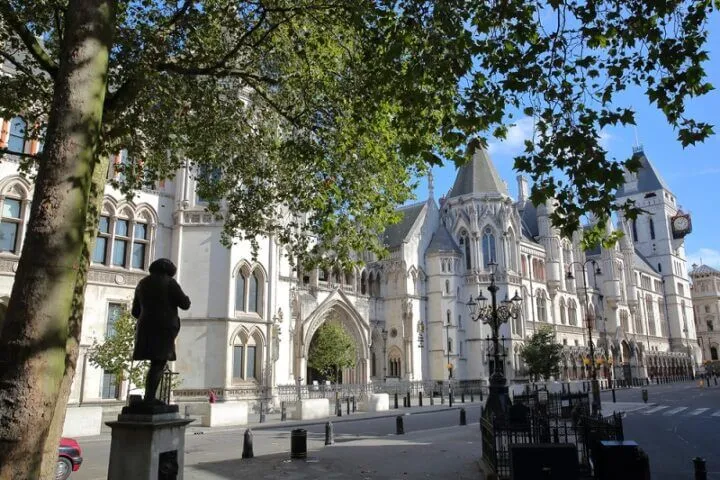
523,191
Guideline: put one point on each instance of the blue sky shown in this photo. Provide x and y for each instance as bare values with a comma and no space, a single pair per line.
692,173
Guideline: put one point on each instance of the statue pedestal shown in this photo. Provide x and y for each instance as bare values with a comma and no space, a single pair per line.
148,443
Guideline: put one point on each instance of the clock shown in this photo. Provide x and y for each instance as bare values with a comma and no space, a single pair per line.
681,225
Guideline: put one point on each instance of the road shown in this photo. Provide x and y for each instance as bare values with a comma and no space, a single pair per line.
681,421
204,446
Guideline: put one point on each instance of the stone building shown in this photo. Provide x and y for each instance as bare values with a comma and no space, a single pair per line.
706,302
253,319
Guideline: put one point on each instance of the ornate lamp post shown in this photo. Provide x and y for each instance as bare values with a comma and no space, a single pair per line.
498,401
449,365
593,369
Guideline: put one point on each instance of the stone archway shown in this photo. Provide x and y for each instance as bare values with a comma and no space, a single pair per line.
338,308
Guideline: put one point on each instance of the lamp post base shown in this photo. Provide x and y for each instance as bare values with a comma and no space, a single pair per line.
498,402
595,388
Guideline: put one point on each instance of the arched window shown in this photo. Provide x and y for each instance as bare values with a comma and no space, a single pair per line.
447,286
247,357
650,308
624,323
661,317
572,313
541,306
124,240
523,259
465,247
633,225
652,229
488,246
394,363
363,283
512,252
12,222
249,290
563,319
714,352
17,135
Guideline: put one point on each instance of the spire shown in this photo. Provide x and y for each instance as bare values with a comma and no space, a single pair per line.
646,179
478,175
431,185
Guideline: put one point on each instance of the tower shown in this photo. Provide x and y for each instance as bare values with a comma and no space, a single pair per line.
658,235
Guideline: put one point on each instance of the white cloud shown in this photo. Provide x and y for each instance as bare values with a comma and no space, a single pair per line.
705,256
523,129
514,143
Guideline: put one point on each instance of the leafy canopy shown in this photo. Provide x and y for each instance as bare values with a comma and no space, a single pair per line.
331,349
542,354
332,108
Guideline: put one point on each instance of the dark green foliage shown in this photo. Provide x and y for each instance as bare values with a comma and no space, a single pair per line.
542,354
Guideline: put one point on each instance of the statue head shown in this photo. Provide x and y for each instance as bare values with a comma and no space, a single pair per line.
163,266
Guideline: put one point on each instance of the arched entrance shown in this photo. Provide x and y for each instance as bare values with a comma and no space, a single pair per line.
338,310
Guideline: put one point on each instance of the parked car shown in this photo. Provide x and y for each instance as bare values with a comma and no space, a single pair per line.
69,458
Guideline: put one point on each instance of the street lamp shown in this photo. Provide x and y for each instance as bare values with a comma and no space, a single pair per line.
449,365
593,368
498,401
384,334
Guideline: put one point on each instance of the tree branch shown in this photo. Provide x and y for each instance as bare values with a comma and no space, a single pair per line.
27,37
23,68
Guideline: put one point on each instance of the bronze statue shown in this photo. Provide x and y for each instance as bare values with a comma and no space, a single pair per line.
156,302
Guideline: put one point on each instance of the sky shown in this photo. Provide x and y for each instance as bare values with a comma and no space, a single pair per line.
693,173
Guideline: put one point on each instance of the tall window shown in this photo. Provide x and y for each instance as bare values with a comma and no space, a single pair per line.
102,241
541,306
113,313
650,307
624,323
16,137
661,316
251,371
10,225
652,229
572,313
523,260
247,360
465,247
714,352
208,176
394,363
109,389
563,319
512,253
633,224
121,242
140,243
238,362
249,291
488,246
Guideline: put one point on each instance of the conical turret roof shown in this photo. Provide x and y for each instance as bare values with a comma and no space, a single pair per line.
478,175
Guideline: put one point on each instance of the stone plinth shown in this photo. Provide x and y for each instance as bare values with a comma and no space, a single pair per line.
312,408
148,443
225,414
378,402
82,421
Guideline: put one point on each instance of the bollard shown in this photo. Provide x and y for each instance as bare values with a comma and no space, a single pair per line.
262,411
283,411
463,418
613,392
700,469
396,400
338,407
420,399
462,397
409,399
347,404
432,399
248,444
399,428
450,398
645,395
354,404
329,434
472,397
481,394
298,443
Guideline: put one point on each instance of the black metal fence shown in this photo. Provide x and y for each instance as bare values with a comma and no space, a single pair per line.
553,419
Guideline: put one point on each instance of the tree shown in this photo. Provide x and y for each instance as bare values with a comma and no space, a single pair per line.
331,350
326,108
542,354
115,354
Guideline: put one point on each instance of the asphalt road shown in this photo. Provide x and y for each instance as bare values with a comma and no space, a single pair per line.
681,421
217,445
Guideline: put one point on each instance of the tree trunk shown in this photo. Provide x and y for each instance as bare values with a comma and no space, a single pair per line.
39,340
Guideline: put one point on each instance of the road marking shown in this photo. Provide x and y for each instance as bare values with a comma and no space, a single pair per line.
699,411
674,411
716,414
656,409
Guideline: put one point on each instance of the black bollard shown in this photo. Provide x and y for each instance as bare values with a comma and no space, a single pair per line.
481,395
248,444
298,443
613,391
262,411
700,469
396,400
399,428
462,397
645,395
463,418
354,404
329,434
338,407
409,399
347,404
450,398
472,399
283,411
420,399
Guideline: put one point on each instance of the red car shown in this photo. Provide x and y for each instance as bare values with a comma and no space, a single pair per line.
69,458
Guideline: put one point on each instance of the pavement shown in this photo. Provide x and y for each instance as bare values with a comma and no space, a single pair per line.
214,453
680,421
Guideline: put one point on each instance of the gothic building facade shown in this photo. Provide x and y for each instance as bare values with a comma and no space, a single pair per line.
253,318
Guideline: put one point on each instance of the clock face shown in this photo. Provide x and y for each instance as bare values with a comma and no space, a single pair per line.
681,223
